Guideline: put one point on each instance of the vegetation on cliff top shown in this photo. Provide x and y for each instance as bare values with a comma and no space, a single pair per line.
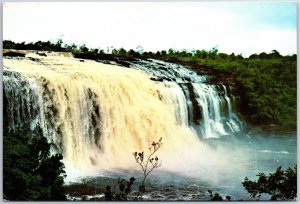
265,83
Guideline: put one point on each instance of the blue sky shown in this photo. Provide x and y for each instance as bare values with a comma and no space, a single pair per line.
277,14
239,27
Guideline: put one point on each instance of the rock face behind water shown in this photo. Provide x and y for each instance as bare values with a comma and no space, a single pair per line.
215,77
13,54
23,53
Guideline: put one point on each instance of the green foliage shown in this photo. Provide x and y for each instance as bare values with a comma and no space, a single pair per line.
218,197
215,197
268,90
122,193
266,84
29,172
39,45
280,185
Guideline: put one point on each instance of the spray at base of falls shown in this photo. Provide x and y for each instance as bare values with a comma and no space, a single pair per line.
97,115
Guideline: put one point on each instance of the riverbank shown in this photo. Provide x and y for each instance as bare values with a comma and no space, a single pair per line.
93,189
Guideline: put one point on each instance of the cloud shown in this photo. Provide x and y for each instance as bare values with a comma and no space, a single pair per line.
155,26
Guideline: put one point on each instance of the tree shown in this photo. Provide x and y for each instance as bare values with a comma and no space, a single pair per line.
133,53
280,185
275,54
122,52
71,48
171,51
83,48
125,186
58,44
151,162
29,171
8,44
163,53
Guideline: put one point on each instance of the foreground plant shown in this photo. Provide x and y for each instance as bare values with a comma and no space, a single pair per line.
124,190
218,197
30,171
280,185
148,164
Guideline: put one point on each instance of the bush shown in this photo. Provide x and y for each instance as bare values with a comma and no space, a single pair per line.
124,190
280,185
148,164
29,172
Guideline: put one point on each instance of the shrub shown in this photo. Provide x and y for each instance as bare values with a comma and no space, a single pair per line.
280,185
29,172
151,162
124,190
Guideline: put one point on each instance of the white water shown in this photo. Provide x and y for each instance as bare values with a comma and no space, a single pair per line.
97,115
173,96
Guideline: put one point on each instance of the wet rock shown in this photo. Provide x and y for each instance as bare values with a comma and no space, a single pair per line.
187,79
84,198
171,197
80,190
167,79
156,79
41,54
123,63
14,54
162,67
34,59
104,61
157,196
98,198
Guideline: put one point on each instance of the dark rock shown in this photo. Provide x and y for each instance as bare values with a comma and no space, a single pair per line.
122,63
186,79
14,54
167,79
34,59
162,67
156,79
41,54
83,189
84,198
104,61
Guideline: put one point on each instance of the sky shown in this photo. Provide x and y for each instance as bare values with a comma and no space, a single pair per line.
232,27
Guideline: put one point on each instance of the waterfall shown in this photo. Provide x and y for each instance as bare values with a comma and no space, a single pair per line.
215,122
97,114
172,95
194,102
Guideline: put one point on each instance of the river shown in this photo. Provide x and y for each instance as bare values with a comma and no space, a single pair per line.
250,152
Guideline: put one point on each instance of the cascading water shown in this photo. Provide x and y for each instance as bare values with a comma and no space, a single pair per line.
207,108
97,114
